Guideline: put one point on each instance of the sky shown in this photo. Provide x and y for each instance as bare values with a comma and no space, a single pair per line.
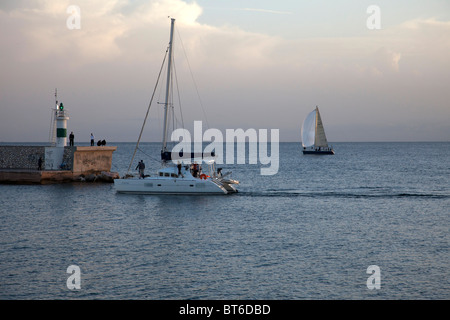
378,75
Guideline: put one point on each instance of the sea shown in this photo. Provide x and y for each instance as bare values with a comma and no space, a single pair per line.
368,223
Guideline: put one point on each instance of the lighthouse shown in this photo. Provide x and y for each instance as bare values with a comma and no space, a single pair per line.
54,155
61,125
55,162
58,135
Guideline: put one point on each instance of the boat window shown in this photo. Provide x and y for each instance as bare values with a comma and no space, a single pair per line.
148,185
160,174
200,185
166,174
173,175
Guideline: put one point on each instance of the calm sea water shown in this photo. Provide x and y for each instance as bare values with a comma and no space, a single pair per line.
308,232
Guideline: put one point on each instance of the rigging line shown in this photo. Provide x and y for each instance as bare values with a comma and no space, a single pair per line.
193,80
159,99
178,93
148,110
151,157
179,101
172,108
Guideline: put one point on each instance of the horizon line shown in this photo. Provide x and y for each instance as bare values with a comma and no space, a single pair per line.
81,144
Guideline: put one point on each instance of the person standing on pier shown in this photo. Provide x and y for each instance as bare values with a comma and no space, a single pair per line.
92,139
71,137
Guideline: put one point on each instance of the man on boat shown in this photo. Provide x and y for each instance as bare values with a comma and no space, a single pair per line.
141,167
179,169
195,169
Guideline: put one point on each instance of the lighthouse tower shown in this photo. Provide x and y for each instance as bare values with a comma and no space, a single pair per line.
61,125
54,155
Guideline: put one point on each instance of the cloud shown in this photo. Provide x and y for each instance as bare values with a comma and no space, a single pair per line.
112,30
384,62
108,67
265,11
42,26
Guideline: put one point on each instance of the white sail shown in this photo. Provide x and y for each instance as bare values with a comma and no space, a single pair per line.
309,130
320,138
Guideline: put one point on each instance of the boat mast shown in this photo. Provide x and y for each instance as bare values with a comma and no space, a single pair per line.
166,104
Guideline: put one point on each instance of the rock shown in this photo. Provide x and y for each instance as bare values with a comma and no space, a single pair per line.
90,177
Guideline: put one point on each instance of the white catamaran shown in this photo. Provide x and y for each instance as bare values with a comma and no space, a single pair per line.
314,140
177,178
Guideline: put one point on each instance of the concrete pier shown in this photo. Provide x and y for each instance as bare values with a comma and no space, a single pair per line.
19,164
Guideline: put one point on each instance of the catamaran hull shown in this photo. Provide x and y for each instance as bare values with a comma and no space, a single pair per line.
168,186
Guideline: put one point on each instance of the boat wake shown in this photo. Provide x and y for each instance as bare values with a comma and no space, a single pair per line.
288,193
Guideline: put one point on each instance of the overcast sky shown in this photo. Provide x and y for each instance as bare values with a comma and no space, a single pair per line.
255,64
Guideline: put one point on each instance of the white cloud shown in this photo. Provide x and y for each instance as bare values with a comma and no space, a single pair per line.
42,26
265,11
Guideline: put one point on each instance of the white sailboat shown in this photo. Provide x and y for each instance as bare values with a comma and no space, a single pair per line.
177,178
314,140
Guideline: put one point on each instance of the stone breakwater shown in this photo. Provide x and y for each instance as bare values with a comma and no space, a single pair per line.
20,157
15,176
20,164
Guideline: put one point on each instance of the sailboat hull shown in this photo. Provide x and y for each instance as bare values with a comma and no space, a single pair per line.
318,152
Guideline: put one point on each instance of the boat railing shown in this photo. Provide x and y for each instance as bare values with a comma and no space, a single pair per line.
62,113
329,148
